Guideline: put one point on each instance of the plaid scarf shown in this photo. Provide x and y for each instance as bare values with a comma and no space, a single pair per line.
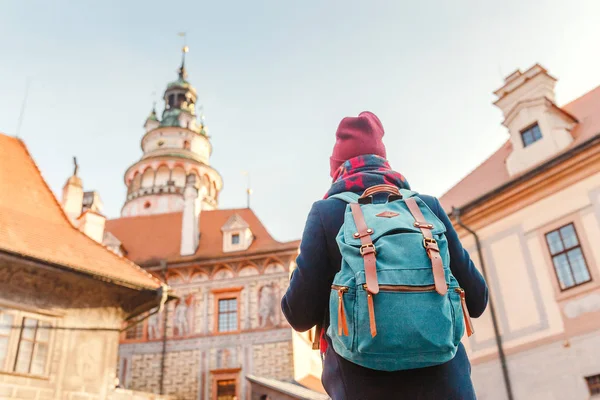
362,172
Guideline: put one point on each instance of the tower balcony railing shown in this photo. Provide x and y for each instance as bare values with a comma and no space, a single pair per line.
144,191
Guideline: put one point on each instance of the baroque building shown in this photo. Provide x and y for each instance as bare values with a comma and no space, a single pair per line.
227,270
530,217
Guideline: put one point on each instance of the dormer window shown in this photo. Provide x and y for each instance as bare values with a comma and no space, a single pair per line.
531,135
237,235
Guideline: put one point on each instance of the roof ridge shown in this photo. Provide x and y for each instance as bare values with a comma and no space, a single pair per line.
62,211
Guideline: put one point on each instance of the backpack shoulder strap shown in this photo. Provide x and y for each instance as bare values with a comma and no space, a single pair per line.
348,197
407,193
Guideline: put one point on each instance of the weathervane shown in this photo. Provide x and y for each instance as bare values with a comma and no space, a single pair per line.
248,189
75,166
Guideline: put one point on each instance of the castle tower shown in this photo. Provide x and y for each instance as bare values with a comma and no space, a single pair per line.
175,146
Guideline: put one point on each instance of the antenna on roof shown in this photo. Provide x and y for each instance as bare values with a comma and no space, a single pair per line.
23,107
248,189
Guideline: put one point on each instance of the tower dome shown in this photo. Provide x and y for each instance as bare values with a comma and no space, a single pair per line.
174,146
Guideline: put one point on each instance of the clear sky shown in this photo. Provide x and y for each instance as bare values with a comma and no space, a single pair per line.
275,78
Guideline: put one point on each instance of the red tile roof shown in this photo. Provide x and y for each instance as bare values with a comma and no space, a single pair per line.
33,225
148,239
492,173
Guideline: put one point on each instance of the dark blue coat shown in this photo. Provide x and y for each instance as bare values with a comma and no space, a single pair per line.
306,302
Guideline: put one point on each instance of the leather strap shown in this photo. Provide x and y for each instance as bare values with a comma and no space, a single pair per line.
380,188
367,249
467,317
372,324
342,323
430,245
316,344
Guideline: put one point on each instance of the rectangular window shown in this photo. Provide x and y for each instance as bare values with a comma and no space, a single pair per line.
593,383
136,332
30,336
227,305
567,257
228,320
235,238
226,389
6,322
531,135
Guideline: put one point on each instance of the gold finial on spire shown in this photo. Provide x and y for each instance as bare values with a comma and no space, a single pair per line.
185,49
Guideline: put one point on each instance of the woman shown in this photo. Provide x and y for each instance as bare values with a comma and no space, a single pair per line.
358,162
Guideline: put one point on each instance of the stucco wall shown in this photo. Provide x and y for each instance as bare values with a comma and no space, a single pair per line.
81,362
532,310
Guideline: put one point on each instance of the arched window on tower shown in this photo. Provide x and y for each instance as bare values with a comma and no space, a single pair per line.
206,183
136,182
178,176
162,176
180,100
171,100
187,145
148,178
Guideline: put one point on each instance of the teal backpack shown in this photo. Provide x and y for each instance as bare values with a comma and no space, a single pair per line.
394,304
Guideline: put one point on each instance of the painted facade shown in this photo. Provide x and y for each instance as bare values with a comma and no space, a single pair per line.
227,270
535,206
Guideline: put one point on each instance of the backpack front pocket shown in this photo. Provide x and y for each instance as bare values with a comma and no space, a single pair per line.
402,320
341,305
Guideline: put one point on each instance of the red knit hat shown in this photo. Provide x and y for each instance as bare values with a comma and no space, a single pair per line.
357,136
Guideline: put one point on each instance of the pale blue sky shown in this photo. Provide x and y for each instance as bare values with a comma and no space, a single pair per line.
275,79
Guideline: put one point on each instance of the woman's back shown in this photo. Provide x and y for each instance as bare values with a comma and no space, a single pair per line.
306,301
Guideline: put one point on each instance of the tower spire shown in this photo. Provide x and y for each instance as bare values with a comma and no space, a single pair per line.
185,49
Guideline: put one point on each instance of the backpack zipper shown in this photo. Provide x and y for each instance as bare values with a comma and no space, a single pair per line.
342,323
466,316
404,288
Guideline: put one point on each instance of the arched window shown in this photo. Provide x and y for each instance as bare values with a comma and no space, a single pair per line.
180,99
178,176
136,182
162,176
187,145
148,178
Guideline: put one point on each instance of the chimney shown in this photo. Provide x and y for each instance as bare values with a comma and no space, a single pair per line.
92,224
72,195
190,234
535,83
92,201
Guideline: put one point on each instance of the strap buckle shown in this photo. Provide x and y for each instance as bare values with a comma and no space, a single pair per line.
368,248
430,244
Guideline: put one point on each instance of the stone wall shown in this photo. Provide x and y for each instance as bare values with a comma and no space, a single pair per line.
181,373
123,394
273,360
